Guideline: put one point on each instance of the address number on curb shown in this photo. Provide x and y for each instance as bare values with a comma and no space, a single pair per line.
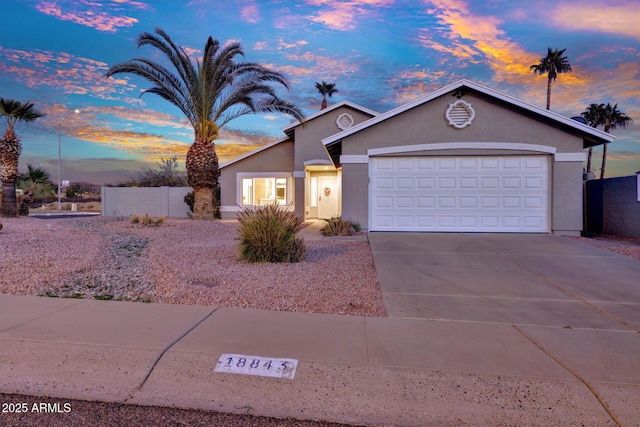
256,365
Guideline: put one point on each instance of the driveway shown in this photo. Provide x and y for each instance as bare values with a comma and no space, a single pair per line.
515,279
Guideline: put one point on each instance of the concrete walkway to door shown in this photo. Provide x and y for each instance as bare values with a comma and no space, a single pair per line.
577,303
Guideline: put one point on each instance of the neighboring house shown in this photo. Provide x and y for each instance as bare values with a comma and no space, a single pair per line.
464,158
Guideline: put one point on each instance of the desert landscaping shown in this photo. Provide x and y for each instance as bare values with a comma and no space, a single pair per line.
181,261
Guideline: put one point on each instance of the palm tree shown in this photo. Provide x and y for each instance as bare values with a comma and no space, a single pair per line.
552,65
36,175
210,93
325,89
592,114
611,118
10,149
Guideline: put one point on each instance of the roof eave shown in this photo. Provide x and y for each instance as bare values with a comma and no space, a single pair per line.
256,151
333,107
603,136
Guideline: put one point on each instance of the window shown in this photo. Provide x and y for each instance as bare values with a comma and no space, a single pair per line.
264,191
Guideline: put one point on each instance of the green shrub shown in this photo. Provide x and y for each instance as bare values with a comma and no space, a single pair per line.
268,234
336,226
355,225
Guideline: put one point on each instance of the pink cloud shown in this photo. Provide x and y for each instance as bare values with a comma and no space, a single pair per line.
107,16
324,67
60,70
343,15
250,13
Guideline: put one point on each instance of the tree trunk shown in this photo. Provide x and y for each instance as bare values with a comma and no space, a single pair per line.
604,159
10,149
202,175
589,160
548,93
323,105
9,208
203,203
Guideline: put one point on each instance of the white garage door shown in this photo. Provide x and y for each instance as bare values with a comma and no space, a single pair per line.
482,194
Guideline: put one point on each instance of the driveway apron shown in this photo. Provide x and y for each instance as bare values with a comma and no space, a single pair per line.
525,279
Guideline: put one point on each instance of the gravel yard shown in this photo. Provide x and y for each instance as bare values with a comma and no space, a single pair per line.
181,262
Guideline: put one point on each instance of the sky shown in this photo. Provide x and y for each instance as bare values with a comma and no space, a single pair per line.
380,53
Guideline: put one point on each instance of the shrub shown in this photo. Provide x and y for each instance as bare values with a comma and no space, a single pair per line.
356,226
268,234
146,219
336,226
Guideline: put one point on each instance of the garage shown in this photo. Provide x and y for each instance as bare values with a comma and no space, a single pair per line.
506,194
465,158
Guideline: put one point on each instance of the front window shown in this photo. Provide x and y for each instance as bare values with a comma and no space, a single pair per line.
264,191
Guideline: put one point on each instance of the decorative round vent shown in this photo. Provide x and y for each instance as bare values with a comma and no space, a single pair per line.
344,121
460,114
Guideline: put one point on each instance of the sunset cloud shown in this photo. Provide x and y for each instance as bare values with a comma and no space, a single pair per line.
60,70
343,15
324,67
476,39
593,16
107,16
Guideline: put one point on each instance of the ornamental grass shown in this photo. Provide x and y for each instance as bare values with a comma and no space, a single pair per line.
268,234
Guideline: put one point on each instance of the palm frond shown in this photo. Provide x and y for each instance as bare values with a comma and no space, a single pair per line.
15,111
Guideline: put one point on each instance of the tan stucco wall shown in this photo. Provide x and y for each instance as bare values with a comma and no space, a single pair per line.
567,196
309,136
493,122
278,158
355,193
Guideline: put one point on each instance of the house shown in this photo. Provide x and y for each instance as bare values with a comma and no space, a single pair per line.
464,158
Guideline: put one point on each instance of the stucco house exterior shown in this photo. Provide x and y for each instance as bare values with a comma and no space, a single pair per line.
464,158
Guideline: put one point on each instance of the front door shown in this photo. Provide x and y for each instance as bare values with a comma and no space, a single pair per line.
327,197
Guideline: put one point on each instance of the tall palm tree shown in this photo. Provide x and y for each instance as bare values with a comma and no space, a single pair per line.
210,93
592,114
611,118
325,89
552,65
10,148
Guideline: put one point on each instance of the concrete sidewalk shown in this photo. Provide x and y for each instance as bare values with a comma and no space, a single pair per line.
378,371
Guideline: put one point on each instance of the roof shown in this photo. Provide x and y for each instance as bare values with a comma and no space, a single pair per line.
296,123
251,153
593,133
349,104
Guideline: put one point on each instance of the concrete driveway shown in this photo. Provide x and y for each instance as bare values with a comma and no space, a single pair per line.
472,294
525,279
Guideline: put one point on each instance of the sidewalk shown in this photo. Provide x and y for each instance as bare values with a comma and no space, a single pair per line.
376,371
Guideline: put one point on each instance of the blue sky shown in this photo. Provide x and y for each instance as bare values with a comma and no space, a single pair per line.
380,54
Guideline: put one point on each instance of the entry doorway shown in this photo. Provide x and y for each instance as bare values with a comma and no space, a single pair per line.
327,192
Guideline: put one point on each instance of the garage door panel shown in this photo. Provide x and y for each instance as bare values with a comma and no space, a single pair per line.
491,194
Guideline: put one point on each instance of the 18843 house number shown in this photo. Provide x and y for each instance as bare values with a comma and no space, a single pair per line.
257,365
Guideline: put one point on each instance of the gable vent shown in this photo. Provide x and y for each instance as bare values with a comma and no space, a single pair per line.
344,121
460,114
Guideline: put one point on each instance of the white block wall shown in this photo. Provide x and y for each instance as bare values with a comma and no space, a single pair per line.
155,201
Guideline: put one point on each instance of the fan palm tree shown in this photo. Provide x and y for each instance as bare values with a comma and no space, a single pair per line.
611,118
552,65
325,89
210,93
36,175
592,115
10,148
